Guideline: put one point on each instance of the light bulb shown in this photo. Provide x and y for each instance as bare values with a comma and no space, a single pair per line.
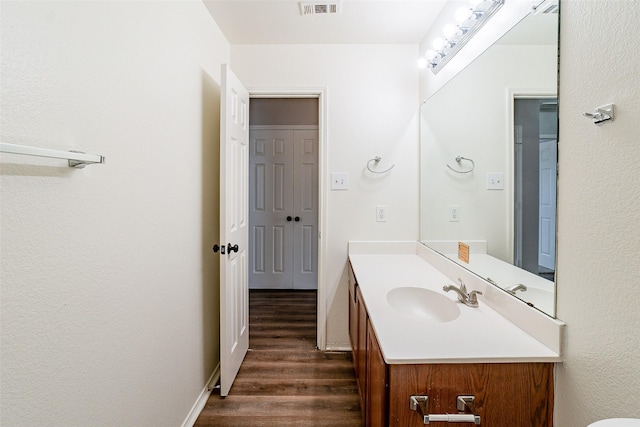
449,30
438,43
430,54
422,63
462,14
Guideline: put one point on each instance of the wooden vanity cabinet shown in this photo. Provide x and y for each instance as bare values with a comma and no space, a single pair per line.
507,394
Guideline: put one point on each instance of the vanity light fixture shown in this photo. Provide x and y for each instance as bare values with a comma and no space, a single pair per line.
470,20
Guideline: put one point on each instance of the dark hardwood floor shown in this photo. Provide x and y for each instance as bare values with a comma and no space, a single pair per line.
284,381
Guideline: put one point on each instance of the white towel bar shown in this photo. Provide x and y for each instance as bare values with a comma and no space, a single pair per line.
76,159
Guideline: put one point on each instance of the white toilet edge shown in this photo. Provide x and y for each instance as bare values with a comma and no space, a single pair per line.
617,422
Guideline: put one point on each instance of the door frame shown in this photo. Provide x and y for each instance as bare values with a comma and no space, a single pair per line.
321,95
512,95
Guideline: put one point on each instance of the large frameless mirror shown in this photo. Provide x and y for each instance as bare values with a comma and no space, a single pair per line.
488,167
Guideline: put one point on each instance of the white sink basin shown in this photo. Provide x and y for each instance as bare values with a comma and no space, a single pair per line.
423,303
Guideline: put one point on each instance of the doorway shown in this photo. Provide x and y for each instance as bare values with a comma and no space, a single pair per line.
283,193
535,172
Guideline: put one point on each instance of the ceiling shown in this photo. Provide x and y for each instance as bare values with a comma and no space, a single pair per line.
358,22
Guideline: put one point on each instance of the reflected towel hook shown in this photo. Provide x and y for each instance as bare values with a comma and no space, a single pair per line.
377,160
459,159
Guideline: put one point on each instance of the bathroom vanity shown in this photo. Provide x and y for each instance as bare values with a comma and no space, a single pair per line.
410,338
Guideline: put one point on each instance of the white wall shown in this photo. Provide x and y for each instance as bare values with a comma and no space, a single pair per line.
109,287
598,240
372,108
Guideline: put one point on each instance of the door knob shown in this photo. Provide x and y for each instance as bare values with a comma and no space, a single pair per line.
232,248
297,218
289,218
217,248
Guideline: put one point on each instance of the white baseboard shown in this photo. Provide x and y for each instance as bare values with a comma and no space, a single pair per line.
338,348
202,399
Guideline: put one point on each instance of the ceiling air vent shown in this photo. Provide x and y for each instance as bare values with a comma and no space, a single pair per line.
319,8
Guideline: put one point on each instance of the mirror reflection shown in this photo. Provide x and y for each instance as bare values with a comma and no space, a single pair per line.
488,163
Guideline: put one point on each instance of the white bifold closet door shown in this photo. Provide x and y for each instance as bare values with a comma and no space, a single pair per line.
283,208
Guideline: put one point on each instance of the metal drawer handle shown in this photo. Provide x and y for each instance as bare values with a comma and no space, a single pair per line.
420,405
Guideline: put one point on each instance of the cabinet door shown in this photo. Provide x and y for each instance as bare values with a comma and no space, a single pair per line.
361,348
353,315
376,397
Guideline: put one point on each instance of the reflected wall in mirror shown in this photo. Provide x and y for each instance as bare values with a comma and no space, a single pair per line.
498,117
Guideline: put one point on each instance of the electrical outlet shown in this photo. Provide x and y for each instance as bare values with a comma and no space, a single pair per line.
381,213
454,213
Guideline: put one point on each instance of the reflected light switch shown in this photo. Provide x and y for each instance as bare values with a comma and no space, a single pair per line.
495,181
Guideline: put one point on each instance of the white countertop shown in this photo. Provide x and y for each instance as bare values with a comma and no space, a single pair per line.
478,335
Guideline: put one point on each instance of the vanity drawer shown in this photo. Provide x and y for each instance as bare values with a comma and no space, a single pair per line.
506,394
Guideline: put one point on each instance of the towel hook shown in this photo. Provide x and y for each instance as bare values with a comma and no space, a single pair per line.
377,159
601,114
459,159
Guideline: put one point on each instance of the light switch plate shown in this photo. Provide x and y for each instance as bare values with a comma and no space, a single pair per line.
339,181
495,181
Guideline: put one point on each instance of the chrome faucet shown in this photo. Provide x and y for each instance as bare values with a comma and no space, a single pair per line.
470,299
519,287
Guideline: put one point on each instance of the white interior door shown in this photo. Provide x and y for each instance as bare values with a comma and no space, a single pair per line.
547,206
305,191
271,208
234,225
283,208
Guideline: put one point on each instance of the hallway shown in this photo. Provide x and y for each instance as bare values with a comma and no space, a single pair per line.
284,381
